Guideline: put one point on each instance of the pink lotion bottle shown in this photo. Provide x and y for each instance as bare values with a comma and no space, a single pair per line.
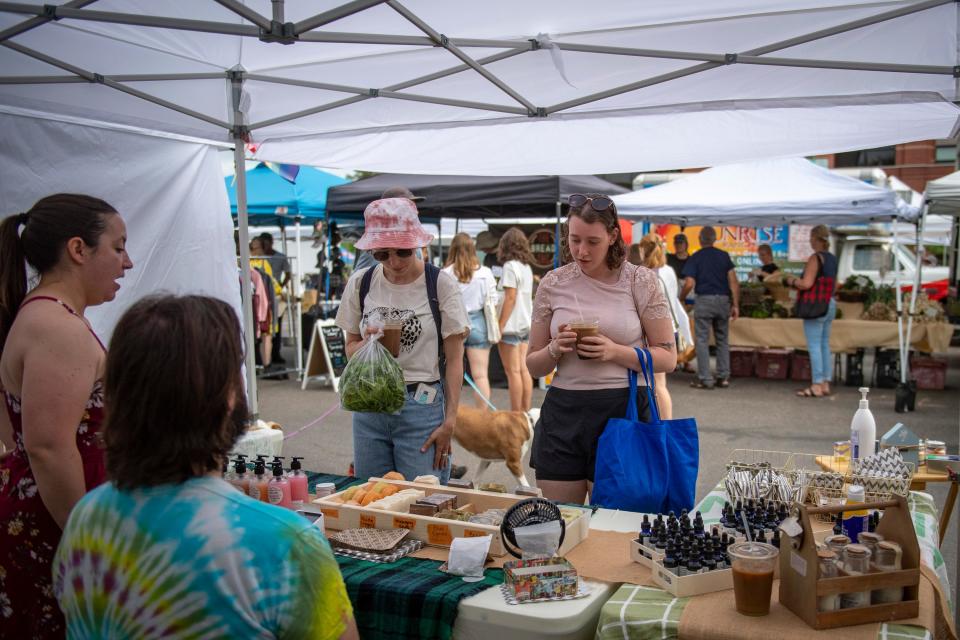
278,490
298,483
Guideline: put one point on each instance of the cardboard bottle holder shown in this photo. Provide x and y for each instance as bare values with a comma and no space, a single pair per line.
800,587
440,532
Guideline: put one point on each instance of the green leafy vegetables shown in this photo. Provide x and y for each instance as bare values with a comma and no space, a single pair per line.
372,381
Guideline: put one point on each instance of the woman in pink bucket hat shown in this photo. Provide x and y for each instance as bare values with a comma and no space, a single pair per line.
403,289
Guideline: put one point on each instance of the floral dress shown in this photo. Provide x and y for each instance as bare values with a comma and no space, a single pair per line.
28,533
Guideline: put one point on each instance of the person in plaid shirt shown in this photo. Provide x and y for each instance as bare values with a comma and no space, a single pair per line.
818,283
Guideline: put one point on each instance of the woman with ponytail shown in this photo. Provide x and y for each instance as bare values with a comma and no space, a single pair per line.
51,366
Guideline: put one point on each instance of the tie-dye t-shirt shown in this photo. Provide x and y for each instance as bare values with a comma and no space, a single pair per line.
195,560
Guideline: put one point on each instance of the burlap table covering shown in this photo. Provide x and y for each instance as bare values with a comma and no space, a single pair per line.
714,616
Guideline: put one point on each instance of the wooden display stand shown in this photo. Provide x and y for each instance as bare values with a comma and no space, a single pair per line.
440,531
800,587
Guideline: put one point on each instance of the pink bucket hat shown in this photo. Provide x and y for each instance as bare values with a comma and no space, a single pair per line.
392,223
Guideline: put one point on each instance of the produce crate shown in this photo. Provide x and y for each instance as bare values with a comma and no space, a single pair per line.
742,362
929,373
800,366
440,532
800,586
773,364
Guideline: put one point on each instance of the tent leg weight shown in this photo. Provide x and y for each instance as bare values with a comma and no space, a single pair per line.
906,397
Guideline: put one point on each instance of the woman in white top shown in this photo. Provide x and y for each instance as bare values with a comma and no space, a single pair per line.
653,255
515,315
476,285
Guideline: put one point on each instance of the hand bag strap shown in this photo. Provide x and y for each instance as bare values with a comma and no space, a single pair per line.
646,367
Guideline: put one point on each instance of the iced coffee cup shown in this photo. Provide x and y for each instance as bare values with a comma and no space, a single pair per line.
753,564
583,327
391,338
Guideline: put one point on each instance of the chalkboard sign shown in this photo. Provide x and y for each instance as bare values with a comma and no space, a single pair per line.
328,354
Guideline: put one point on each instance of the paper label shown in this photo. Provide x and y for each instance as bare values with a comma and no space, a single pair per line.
404,523
799,564
439,534
331,513
368,521
791,527
473,533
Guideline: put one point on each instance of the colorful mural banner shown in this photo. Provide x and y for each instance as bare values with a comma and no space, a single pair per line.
740,242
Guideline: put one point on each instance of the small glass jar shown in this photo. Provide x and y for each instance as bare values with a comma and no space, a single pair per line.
870,540
856,562
837,543
889,557
936,447
827,568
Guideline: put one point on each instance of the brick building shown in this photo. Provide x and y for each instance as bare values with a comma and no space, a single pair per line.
915,163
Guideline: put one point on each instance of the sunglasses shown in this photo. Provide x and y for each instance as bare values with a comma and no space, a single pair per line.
597,202
382,255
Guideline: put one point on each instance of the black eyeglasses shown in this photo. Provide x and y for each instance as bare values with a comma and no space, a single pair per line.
382,255
597,202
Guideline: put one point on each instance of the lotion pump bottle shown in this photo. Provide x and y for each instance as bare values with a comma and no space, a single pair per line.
863,429
298,483
278,490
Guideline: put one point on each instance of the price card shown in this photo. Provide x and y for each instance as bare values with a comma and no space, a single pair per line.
368,521
439,534
331,513
404,523
474,533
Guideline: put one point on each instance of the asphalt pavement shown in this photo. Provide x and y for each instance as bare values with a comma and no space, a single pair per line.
750,414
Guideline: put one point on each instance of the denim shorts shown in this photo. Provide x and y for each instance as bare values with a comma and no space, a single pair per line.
478,331
385,442
515,338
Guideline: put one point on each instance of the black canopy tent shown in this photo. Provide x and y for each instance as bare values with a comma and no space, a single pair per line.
471,196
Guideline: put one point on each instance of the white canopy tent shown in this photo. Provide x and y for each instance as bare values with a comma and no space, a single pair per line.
496,88
760,193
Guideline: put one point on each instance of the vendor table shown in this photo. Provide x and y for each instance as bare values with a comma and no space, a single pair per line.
641,612
845,335
919,483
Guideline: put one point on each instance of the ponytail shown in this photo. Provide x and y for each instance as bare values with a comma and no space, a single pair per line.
13,273
47,227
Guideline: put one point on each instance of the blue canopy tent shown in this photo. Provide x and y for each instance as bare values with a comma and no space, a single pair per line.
275,200
272,199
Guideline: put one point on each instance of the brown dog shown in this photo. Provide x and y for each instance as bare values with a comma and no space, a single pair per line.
496,436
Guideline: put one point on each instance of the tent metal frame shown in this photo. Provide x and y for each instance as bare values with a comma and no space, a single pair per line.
274,29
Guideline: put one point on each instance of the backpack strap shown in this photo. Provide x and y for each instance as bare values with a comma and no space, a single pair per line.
365,286
432,275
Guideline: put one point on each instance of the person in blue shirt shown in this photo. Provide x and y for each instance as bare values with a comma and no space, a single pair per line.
710,274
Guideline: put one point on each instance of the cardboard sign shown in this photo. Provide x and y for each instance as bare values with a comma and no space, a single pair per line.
439,534
328,354
368,521
404,523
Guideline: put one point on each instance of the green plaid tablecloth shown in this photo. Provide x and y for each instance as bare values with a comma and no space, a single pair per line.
409,598
648,613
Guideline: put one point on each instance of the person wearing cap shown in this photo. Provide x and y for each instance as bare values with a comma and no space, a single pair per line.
364,259
417,440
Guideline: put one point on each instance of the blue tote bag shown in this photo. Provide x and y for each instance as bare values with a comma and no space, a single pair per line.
646,467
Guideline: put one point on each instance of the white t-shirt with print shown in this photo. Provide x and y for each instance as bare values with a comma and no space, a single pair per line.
519,276
408,303
475,292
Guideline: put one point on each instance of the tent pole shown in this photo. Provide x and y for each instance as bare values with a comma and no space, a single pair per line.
285,240
905,363
556,237
246,294
298,302
899,294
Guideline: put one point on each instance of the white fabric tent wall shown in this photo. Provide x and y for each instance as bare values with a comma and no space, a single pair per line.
169,192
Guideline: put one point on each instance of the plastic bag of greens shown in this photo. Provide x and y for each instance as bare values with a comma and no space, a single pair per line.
372,381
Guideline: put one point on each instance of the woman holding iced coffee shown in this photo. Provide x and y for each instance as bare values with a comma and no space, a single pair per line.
597,292
426,306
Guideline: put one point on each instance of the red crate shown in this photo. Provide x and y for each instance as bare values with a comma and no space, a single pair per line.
800,366
742,362
773,364
929,373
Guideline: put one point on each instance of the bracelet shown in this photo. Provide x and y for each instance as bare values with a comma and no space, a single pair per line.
553,354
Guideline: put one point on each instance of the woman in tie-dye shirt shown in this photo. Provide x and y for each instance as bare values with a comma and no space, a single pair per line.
167,549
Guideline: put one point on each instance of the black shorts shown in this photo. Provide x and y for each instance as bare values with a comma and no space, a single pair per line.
571,422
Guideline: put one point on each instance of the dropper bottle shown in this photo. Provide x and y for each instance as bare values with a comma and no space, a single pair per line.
278,490
298,483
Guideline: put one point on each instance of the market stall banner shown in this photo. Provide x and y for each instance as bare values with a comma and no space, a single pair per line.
740,242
